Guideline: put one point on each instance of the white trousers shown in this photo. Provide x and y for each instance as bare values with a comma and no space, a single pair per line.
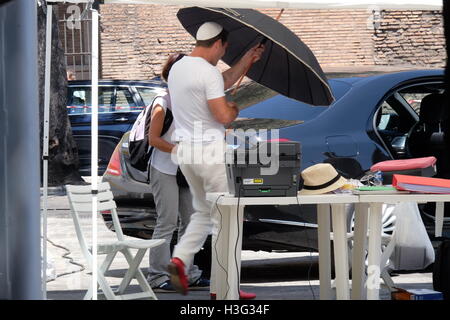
203,177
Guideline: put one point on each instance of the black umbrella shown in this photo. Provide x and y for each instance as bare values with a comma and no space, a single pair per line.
287,65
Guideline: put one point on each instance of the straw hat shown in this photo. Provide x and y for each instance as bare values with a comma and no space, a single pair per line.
321,178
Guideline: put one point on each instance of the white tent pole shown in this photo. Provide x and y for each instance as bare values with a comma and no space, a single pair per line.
94,147
48,62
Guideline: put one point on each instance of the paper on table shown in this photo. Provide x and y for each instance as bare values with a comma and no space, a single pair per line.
377,190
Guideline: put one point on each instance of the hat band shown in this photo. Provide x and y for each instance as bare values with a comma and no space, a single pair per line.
322,186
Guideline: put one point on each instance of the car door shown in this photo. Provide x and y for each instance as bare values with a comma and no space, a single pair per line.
397,114
118,108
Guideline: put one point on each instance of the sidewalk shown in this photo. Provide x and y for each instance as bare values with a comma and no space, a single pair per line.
272,276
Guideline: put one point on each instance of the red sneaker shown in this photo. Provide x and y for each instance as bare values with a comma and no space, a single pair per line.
178,276
242,295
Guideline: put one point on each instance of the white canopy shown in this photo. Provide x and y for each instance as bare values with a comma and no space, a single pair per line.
299,4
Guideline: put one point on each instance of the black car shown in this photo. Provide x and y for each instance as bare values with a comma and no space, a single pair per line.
374,118
120,102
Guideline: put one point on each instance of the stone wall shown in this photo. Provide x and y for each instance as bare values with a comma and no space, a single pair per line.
136,39
409,38
336,37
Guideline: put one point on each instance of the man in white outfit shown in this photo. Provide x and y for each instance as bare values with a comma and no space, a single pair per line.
201,113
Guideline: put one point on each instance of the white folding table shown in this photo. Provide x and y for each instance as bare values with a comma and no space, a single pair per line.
229,241
374,203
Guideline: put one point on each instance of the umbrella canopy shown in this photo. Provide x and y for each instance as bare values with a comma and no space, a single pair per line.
287,65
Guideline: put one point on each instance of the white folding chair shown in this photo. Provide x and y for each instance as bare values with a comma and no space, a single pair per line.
80,199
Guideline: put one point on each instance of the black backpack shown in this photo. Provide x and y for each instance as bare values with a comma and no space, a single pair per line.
138,146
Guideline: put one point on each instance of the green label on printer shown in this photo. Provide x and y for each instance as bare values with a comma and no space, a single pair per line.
254,181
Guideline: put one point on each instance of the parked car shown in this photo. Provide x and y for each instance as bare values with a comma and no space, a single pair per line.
370,121
120,102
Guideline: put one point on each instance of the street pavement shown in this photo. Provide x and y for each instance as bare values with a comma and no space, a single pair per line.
272,276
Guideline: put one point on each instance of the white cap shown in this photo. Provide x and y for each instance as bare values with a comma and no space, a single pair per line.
208,30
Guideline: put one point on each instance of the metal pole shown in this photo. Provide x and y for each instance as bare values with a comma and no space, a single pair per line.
94,147
48,62
20,246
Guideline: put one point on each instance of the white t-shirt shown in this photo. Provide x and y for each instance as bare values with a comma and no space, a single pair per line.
193,81
161,160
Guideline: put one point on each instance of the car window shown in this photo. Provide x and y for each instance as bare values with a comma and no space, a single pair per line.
79,100
399,112
414,100
413,95
387,118
105,99
283,108
124,101
110,99
147,94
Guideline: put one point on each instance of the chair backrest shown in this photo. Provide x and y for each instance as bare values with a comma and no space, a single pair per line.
80,199
425,138
431,112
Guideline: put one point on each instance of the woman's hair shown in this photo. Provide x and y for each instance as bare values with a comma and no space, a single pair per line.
169,63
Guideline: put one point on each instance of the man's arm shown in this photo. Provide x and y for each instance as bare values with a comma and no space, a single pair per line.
222,110
233,74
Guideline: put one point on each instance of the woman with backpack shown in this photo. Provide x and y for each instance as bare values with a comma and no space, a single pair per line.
173,199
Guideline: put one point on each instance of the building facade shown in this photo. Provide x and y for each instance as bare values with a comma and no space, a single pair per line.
136,39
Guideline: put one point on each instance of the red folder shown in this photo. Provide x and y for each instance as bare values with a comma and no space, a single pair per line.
421,184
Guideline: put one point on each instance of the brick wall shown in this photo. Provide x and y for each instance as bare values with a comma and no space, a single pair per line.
336,37
410,38
136,39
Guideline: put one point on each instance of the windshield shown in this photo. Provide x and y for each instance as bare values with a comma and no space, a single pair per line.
280,107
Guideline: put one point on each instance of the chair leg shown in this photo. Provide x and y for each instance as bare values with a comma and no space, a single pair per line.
145,287
107,264
388,280
134,271
104,286
88,295
102,283
387,252
108,261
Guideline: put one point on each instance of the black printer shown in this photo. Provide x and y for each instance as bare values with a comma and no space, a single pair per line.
266,169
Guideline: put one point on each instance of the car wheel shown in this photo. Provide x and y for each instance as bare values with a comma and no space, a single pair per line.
388,220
